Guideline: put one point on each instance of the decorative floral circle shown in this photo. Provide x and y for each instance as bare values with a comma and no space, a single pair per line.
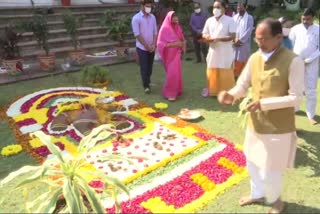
149,141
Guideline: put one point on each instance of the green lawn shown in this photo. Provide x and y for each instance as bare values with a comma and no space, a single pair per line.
301,185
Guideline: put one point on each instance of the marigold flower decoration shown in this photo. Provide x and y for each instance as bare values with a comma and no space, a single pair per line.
11,150
161,106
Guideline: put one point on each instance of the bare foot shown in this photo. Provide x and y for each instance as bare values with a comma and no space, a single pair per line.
277,207
247,200
313,121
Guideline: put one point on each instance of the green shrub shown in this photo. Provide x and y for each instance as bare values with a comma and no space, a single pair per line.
94,74
72,24
9,38
39,26
117,25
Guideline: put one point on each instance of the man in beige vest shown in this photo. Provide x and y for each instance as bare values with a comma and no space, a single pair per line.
275,75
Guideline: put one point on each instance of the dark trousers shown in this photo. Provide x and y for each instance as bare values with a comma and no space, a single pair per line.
199,47
146,63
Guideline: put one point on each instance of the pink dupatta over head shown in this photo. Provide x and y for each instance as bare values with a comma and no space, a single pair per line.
168,33
171,56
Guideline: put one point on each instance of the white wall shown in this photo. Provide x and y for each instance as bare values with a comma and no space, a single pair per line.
25,3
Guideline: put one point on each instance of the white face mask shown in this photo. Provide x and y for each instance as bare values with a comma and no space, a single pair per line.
216,12
198,10
285,31
147,9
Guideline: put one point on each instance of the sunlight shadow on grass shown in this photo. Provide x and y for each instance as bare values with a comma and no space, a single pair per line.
308,152
299,208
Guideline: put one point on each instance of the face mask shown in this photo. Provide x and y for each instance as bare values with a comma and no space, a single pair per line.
198,10
216,12
285,31
147,9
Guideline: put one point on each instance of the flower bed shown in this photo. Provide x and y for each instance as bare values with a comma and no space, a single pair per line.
157,144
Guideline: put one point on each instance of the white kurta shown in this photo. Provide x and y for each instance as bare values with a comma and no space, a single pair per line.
220,54
244,30
306,45
273,152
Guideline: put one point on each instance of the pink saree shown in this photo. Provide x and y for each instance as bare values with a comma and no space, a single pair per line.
171,57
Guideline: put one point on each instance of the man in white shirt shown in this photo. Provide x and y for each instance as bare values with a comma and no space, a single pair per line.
305,40
219,31
242,42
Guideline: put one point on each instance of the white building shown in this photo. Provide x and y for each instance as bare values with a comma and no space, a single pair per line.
27,3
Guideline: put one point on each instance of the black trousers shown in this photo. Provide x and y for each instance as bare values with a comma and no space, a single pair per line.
199,47
146,63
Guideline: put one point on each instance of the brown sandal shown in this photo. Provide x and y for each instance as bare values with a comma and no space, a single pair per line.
277,207
247,200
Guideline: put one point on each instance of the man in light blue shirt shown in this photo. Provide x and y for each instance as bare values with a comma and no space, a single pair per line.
144,28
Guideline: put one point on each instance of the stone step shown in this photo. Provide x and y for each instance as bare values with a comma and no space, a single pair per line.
64,41
58,16
91,35
61,33
55,25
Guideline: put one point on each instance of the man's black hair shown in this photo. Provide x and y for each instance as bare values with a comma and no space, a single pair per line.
274,25
144,2
309,12
222,2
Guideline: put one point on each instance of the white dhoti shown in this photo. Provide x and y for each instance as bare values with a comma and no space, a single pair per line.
268,156
264,184
311,81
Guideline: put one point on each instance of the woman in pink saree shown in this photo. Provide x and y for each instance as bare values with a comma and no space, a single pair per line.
170,45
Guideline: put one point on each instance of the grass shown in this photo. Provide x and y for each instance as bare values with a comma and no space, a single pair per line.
301,184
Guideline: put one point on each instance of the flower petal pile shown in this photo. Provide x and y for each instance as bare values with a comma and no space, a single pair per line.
11,150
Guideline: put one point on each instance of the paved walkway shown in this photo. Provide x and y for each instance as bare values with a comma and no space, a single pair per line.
34,71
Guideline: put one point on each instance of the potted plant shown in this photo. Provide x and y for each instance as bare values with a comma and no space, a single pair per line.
12,62
68,189
72,25
292,5
95,75
39,26
117,28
